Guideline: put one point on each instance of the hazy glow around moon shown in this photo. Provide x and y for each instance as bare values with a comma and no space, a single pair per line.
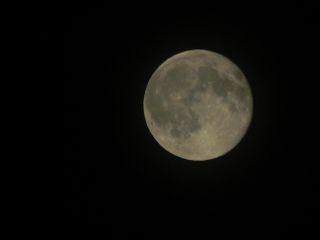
198,105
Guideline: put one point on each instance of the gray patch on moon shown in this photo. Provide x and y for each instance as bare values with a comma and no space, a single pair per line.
222,86
213,80
180,119
237,73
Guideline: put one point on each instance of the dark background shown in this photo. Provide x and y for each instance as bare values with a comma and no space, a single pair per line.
115,173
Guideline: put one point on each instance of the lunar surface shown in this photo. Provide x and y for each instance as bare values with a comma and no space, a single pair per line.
198,105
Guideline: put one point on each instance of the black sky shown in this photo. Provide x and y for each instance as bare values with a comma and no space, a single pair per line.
114,169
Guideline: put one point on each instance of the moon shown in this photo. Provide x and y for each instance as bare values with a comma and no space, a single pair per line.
198,105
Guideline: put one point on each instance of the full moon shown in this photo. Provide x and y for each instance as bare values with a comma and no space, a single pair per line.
198,105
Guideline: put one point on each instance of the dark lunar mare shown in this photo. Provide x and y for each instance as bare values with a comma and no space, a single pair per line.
182,119
221,85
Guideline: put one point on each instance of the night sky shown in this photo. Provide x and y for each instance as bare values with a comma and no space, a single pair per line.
115,173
